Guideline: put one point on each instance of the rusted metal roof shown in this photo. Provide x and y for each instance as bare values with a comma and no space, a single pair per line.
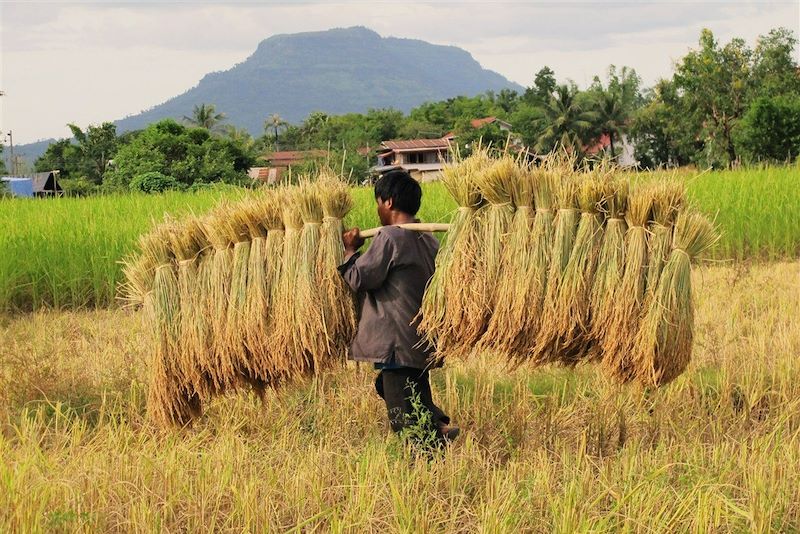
417,144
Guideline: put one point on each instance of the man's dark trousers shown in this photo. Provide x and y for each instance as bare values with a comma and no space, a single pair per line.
397,386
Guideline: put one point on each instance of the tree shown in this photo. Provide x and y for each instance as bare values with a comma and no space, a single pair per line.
715,83
275,122
189,155
774,70
770,130
3,169
562,121
205,116
614,104
95,148
544,83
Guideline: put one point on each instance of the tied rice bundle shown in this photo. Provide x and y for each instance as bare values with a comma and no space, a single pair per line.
566,225
219,364
541,251
336,298
235,322
623,322
309,322
668,199
170,398
663,345
188,242
512,304
495,183
260,214
273,250
448,294
286,306
611,261
571,315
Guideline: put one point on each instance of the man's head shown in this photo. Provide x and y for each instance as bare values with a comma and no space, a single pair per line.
397,193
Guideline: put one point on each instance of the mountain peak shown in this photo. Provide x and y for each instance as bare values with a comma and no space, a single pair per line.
340,70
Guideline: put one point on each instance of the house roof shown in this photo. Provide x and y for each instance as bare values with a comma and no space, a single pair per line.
289,157
416,144
27,186
596,146
479,123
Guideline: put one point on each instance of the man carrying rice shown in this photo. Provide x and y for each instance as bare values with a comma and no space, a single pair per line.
390,279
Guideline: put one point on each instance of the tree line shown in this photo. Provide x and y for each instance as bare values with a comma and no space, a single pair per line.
725,104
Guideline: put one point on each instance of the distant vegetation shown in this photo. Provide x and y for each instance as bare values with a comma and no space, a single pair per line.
724,105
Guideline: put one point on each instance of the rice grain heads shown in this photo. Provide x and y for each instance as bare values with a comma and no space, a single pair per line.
663,345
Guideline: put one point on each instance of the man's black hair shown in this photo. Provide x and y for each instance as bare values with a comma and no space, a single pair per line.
405,191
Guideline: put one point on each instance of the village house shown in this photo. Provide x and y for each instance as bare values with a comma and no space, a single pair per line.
279,163
422,158
40,184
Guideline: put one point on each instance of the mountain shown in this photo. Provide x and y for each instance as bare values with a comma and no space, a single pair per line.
336,71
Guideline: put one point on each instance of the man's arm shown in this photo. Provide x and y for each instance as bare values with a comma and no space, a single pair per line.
367,271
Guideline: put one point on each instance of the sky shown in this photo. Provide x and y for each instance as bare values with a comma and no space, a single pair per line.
87,62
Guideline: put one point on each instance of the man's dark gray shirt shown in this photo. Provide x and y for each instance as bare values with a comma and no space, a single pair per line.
390,279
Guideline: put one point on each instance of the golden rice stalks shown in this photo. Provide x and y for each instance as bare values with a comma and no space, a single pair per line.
336,298
512,304
187,241
310,322
140,269
219,364
235,315
668,199
622,322
286,305
171,399
570,316
611,261
496,183
263,217
566,226
663,345
449,293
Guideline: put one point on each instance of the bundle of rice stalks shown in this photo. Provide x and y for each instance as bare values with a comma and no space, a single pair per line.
622,322
571,314
286,306
566,226
259,214
495,183
668,199
336,298
611,261
513,280
448,293
310,322
535,283
663,345
170,399
140,269
187,242
219,364
235,334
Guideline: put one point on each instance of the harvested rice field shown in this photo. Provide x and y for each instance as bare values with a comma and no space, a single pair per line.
542,450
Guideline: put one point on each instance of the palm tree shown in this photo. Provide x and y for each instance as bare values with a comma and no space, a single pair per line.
275,121
612,116
562,120
205,116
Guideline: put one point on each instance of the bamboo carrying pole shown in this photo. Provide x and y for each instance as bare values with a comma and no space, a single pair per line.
417,227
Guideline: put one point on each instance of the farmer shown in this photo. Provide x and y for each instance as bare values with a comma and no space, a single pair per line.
389,279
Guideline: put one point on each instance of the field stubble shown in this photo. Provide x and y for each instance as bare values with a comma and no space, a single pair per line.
547,450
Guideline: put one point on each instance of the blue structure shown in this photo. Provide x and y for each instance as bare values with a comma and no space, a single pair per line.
40,184
19,186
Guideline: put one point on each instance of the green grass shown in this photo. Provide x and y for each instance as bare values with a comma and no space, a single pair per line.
65,253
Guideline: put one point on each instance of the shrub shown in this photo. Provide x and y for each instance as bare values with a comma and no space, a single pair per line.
154,182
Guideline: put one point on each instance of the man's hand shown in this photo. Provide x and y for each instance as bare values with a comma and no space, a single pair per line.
352,241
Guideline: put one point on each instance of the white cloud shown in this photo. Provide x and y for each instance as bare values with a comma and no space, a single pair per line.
88,62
